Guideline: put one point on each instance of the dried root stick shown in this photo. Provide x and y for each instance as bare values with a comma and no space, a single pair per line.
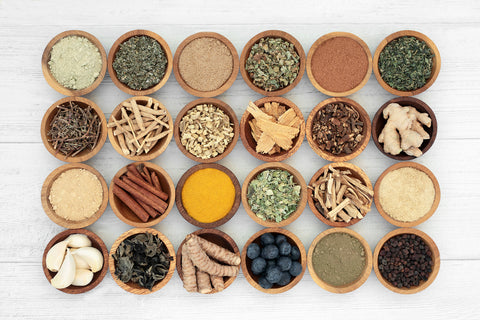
188,270
217,252
203,282
217,283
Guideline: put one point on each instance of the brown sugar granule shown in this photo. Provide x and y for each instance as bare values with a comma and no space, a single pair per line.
205,64
339,64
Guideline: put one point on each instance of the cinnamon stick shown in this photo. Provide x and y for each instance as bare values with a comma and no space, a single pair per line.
147,175
156,182
162,195
131,203
151,211
133,169
146,197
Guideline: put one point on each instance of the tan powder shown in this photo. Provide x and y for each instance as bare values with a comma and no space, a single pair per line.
406,194
76,194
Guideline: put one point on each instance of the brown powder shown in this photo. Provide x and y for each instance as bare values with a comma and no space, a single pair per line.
205,64
339,64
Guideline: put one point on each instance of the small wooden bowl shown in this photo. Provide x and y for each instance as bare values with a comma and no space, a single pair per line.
250,143
348,287
183,211
86,153
219,238
222,106
51,79
378,123
386,216
247,262
356,173
230,80
435,65
96,243
272,34
47,206
435,257
125,214
322,40
116,46
134,287
297,178
159,147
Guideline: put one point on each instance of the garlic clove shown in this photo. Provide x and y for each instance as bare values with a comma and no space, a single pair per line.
78,240
55,256
80,263
92,256
82,277
66,273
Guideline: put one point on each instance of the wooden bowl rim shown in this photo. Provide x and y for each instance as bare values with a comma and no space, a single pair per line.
181,183
436,201
435,67
311,203
151,222
348,287
161,145
296,176
303,260
435,258
224,87
113,52
404,101
130,286
222,106
323,39
47,207
273,34
367,130
84,155
51,79
96,240
245,131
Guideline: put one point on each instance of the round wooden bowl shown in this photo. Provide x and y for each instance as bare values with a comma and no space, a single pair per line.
159,147
219,238
435,65
125,214
116,46
356,173
247,262
322,40
47,206
86,153
96,243
134,287
272,34
224,87
435,257
367,130
250,143
403,224
297,178
378,123
51,79
350,286
222,106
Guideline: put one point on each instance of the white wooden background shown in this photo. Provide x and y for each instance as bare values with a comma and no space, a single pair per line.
27,26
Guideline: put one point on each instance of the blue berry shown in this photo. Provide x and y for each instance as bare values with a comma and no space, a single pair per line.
273,275
270,251
267,238
285,279
258,265
284,248
295,269
264,283
284,263
253,251
279,238
295,254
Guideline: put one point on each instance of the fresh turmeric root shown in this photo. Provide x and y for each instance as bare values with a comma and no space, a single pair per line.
217,252
217,283
203,282
188,270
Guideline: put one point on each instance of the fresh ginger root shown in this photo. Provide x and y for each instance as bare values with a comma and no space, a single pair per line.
188,270
217,283
203,282
217,252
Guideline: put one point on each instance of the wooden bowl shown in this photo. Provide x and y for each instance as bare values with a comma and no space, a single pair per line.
222,106
250,143
219,238
159,147
272,34
435,65
134,287
125,214
379,122
348,287
367,131
86,153
222,88
322,40
247,262
435,257
96,243
356,173
47,206
403,224
51,79
116,46
181,183
297,178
